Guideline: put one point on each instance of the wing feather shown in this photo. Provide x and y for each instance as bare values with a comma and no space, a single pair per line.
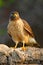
28,28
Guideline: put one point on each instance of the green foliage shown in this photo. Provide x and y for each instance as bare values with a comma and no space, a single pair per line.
1,3
5,3
2,32
11,1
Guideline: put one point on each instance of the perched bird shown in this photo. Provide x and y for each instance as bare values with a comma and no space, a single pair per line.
20,30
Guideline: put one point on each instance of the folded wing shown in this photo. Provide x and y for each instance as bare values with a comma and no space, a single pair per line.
28,28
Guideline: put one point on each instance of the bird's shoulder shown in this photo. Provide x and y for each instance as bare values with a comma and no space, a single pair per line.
28,28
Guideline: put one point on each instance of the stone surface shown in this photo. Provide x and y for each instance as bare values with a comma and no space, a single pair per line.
11,56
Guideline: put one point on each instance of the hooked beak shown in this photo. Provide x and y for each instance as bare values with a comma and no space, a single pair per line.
12,17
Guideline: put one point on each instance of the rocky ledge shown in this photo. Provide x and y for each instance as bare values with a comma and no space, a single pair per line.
11,56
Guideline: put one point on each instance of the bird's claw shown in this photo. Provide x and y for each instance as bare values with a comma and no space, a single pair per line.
24,48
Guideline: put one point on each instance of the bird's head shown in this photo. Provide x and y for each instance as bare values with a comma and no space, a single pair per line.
14,16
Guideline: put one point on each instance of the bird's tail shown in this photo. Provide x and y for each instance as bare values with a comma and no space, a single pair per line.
33,42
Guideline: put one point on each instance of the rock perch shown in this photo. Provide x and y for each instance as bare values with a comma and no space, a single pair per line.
11,56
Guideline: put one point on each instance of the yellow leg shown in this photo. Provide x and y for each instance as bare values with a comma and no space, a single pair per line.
16,45
23,48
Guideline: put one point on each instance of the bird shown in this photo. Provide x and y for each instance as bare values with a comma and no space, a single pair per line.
20,30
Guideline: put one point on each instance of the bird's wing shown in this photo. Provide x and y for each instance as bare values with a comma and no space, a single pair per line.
28,28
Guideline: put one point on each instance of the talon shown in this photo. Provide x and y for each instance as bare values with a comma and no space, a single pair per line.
24,48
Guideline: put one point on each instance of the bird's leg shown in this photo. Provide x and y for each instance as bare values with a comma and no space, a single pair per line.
16,45
23,48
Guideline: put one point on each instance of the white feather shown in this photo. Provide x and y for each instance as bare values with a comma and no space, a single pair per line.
32,40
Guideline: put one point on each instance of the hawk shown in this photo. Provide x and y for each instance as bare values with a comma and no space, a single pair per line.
20,30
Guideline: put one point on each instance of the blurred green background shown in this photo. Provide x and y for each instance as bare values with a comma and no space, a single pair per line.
30,10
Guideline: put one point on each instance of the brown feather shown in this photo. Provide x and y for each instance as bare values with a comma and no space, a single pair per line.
28,28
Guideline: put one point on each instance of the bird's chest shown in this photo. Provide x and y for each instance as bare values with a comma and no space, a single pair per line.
19,26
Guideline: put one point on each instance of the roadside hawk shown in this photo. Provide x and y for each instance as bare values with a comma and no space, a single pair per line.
20,30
